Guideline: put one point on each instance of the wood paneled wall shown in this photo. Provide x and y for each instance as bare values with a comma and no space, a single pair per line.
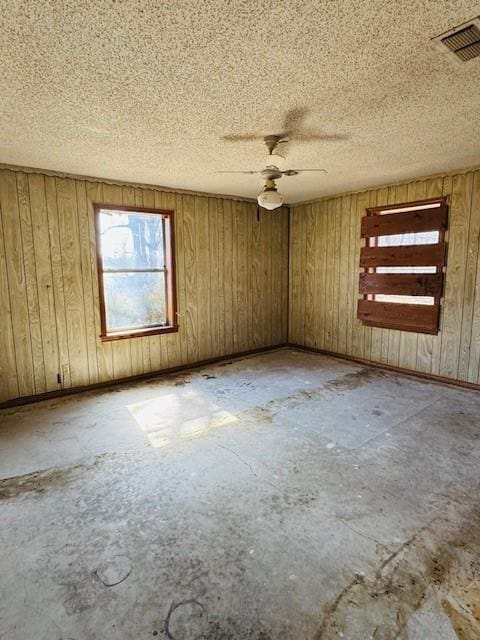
232,283
324,268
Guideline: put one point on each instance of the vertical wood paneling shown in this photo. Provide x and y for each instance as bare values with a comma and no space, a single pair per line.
474,359
455,277
43,266
309,243
472,250
8,367
181,278
31,282
89,306
228,233
16,282
257,274
202,268
455,351
232,282
58,282
343,286
72,278
191,289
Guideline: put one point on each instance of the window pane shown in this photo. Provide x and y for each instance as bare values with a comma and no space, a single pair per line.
406,269
134,300
131,240
403,239
380,297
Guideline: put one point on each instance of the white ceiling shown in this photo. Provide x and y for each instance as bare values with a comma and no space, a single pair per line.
144,90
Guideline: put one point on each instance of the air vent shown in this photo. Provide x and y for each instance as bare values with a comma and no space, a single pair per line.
463,41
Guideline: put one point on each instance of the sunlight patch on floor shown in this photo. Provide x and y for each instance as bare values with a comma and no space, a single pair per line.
178,416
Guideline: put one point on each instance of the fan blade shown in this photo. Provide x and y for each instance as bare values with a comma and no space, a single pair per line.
294,172
251,173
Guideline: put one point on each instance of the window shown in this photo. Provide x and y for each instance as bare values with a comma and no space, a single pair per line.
135,271
403,261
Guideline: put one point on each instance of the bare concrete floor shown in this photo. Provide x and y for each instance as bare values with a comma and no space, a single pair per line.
279,497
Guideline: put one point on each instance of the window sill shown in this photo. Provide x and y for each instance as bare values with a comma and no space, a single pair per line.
139,333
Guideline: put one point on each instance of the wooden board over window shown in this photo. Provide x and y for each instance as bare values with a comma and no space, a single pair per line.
136,271
403,261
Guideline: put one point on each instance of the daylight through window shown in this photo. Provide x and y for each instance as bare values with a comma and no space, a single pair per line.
136,274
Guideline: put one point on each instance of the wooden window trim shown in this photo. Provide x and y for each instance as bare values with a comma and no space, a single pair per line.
170,267
394,315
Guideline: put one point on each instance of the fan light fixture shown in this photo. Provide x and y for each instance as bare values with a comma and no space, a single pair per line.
269,198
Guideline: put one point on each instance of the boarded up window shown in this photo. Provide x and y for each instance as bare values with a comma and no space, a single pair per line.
403,261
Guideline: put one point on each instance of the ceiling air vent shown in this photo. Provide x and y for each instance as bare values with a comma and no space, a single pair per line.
463,41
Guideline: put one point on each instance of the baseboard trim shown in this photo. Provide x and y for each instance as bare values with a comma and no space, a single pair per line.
380,365
17,402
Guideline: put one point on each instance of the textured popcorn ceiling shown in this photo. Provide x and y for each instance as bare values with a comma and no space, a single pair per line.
144,91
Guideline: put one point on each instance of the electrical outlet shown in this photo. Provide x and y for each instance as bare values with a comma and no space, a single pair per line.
65,370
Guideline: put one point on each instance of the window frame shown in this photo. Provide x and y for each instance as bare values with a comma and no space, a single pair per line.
427,326
171,325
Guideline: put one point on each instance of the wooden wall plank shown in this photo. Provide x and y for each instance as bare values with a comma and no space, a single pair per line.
455,351
221,288
58,282
406,256
181,278
31,282
8,367
401,284
212,228
309,270
228,261
88,300
44,275
343,286
408,222
447,188
94,192
258,267
283,262
16,282
455,275
72,279
362,202
202,267
190,270
353,270
472,250
474,359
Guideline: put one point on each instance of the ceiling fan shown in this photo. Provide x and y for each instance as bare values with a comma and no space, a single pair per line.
269,197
